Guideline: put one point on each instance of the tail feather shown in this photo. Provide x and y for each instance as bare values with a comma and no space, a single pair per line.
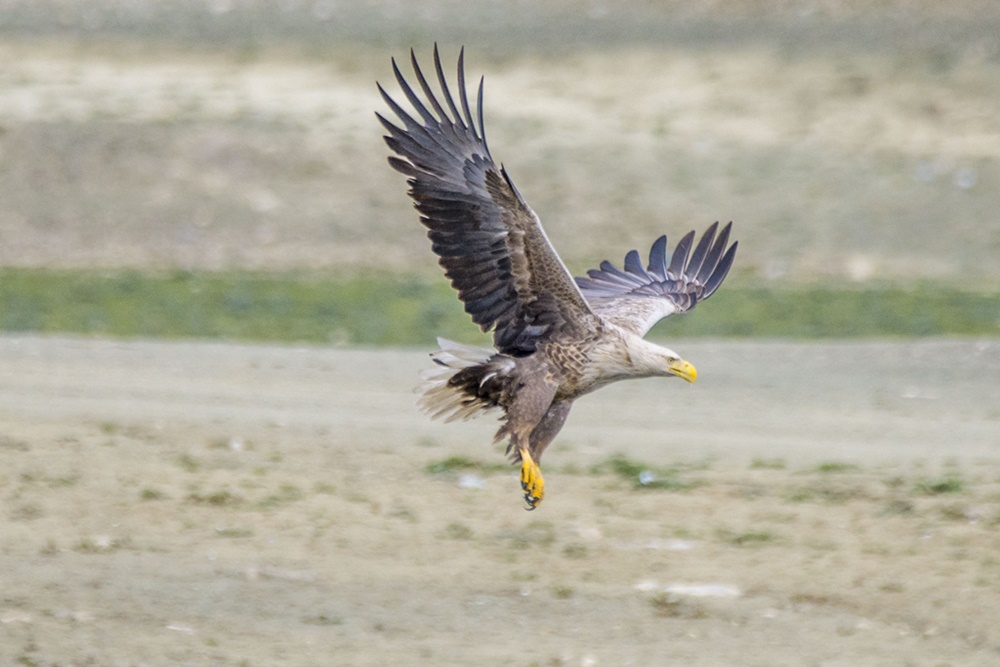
467,382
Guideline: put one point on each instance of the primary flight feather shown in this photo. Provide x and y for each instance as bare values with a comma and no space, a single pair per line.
556,337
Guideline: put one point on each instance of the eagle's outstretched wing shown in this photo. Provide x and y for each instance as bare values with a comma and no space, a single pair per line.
637,298
490,243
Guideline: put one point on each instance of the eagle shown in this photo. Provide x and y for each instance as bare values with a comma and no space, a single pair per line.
556,337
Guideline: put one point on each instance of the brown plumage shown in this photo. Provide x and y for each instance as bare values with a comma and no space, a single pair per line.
556,337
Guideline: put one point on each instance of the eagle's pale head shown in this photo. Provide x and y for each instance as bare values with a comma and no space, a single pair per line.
650,360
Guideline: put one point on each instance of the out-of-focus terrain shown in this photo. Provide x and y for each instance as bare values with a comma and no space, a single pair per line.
847,143
197,503
219,504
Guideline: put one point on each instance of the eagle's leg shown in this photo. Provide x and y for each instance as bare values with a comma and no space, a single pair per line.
549,426
530,414
543,433
519,450
532,481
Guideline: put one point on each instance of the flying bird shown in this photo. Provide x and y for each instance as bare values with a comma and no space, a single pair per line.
556,337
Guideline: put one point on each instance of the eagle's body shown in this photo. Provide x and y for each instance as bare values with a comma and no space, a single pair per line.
556,337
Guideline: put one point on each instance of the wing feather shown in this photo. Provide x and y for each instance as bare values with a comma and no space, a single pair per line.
463,94
713,281
658,258
712,258
680,255
637,298
443,83
633,265
697,258
488,240
428,93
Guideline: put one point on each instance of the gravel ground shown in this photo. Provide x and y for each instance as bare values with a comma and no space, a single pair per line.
195,504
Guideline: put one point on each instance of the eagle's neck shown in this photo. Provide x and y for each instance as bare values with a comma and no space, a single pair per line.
625,355
647,359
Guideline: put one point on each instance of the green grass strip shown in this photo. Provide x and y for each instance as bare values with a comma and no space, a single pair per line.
293,307
851,312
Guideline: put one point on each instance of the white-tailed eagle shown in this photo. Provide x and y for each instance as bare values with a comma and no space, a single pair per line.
556,337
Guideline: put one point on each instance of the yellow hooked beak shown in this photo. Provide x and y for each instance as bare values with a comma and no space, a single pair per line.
683,369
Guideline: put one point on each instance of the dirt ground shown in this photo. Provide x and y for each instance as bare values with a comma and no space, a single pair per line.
214,504
220,504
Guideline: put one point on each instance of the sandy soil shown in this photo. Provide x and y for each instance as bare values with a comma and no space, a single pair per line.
196,504
213,504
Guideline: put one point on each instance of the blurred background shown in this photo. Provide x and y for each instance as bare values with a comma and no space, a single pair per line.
214,169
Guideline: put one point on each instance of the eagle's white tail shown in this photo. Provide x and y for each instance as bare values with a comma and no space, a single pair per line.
467,381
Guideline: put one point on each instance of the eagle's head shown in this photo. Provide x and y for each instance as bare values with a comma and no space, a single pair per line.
645,359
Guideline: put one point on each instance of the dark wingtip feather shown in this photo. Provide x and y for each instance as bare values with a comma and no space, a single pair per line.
714,253
385,97
658,258
402,166
680,256
701,250
479,113
389,126
424,86
455,117
633,264
463,94
396,109
721,271
413,98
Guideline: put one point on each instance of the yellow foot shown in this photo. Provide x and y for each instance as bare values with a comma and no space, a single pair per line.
531,481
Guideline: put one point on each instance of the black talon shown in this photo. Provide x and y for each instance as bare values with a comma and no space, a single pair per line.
531,501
